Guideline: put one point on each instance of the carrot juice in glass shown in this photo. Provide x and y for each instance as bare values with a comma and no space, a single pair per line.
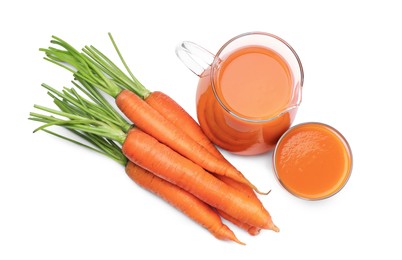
312,161
248,93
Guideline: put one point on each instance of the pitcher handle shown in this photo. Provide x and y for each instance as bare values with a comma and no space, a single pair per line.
196,58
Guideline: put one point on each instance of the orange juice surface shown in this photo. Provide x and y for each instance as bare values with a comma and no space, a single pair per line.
249,86
313,161
254,82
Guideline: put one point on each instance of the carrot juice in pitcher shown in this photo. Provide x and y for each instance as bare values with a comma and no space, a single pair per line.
253,83
248,96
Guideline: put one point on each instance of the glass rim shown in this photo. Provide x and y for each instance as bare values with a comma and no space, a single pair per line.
341,137
217,60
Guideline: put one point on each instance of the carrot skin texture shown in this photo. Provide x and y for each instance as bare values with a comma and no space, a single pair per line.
191,206
179,117
174,113
250,229
145,151
250,194
153,123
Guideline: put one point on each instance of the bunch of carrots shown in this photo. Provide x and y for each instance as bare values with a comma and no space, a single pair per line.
163,148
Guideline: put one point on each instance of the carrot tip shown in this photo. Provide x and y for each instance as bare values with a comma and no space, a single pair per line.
238,241
252,186
260,192
275,228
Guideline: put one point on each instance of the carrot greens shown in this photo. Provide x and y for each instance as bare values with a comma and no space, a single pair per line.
94,67
93,120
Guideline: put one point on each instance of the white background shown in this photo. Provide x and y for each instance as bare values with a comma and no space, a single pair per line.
59,201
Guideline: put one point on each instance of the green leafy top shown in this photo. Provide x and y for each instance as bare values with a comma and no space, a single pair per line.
93,120
94,67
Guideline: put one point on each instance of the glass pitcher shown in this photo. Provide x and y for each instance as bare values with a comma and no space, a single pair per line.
248,93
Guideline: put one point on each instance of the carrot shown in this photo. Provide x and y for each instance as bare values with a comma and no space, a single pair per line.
250,229
153,123
190,205
138,111
174,113
183,201
239,186
251,196
147,152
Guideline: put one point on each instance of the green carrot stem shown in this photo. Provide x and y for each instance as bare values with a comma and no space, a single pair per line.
135,80
85,125
100,110
85,69
88,116
101,145
94,67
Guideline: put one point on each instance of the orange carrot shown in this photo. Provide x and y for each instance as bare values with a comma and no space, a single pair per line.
99,133
145,151
183,201
153,123
100,125
250,229
251,196
174,113
240,186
